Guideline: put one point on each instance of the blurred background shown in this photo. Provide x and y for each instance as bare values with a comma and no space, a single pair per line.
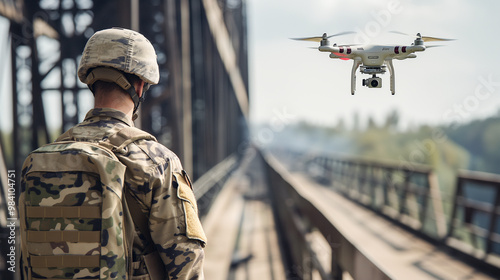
448,92
231,79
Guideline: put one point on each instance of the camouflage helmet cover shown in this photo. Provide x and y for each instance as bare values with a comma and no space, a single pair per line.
123,49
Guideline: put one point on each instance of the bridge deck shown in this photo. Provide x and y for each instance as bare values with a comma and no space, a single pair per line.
242,240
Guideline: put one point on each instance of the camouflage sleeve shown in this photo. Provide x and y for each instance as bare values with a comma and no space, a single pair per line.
175,226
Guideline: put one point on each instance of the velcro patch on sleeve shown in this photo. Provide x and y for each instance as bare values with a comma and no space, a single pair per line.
194,229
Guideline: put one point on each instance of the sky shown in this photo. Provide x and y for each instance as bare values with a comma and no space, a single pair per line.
456,83
290,82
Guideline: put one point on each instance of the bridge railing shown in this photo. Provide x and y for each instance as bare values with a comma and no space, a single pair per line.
299,221
208,186
475,219
409,195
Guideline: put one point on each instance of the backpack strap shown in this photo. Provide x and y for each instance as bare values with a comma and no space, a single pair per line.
140,219
126,136
129,231
152,258
117,143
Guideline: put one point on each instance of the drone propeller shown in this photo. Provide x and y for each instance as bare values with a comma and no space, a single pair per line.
320,38
430,39
424,38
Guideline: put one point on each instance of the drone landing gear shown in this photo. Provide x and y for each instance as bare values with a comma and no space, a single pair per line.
353,75
391,71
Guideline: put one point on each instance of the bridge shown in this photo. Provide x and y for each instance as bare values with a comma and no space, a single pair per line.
290,216
268,213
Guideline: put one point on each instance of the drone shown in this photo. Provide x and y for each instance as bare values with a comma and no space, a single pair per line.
372,59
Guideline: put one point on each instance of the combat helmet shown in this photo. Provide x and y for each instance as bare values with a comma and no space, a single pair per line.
110,52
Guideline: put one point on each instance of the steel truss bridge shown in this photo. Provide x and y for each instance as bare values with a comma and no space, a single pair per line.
199,109
268,214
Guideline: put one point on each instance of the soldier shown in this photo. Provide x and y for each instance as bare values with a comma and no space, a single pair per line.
118,65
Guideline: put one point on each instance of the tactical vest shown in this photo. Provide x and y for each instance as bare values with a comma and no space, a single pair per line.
74,216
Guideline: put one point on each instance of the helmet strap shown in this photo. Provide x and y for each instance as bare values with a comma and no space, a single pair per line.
137,100
114,76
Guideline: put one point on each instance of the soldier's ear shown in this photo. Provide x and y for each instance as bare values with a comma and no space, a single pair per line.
139,87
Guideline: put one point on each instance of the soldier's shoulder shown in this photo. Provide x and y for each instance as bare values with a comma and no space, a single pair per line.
151,152
156,149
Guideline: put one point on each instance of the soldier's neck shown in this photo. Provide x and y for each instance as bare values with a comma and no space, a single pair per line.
115,99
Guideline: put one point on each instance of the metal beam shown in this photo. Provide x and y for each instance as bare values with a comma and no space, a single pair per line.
187,129
227,53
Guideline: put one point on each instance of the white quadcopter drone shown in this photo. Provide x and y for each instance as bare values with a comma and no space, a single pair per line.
373,59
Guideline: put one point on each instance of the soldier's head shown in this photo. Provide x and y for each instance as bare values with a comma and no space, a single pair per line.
119,58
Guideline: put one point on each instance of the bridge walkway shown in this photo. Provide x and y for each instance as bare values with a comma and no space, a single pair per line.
243,242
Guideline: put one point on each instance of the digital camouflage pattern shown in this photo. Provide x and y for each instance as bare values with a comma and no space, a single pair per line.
155,178
122,49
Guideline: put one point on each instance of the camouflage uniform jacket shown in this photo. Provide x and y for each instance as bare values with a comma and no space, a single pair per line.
152,176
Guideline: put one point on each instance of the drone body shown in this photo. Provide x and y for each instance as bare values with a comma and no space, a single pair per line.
372,59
